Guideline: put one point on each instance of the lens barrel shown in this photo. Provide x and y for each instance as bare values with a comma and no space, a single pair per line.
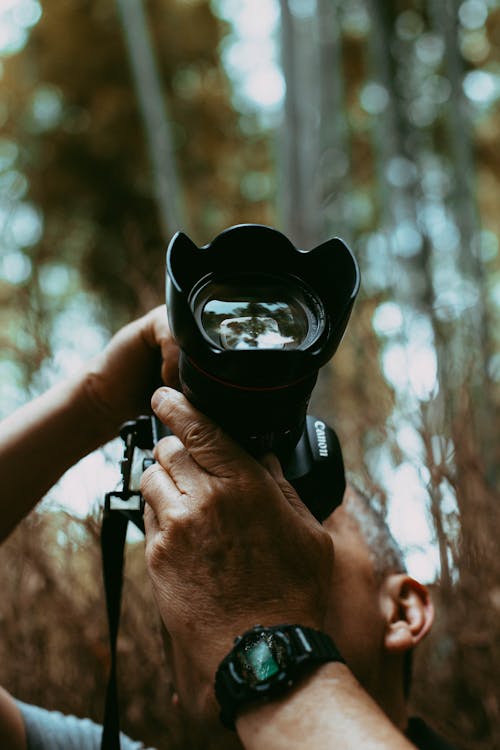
255,319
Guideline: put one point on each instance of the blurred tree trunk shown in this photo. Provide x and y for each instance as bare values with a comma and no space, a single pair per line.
299,150
396,139
444,14
470,344
334,147
152,105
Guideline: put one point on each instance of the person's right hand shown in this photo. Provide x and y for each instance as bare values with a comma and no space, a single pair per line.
229,545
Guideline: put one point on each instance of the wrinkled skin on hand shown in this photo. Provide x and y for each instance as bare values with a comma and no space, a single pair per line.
229,545
137,360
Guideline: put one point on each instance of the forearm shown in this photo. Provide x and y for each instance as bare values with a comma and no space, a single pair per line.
40,441
328,710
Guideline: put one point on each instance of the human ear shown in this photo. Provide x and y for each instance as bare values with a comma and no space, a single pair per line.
408,612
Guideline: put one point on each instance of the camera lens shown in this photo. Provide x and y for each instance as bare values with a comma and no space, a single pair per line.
255,318
257,312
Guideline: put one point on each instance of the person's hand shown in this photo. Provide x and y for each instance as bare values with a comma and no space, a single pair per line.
136,361
229,545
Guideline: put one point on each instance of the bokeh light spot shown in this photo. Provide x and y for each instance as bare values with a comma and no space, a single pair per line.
473,14
374,98
480,86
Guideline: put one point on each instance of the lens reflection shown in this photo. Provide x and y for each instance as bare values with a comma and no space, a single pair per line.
252,333
257,316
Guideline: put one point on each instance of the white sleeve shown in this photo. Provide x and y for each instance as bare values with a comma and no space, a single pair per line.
52,730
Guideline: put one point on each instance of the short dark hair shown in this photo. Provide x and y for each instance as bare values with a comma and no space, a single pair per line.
385,551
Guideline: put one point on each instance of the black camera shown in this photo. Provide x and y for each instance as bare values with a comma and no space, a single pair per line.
255,318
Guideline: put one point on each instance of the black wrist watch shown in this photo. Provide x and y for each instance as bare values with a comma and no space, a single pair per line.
265,662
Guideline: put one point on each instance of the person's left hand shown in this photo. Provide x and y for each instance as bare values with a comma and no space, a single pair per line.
229,545
121,380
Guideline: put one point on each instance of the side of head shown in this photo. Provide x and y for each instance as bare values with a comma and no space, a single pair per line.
377,612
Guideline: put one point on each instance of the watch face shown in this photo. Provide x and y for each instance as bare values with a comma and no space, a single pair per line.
261,657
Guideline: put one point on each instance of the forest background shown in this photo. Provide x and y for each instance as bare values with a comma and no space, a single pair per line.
374,120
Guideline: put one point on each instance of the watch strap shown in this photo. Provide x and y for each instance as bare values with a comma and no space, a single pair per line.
309,648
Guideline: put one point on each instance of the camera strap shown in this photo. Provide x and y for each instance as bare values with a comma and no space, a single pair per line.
113,535
120,507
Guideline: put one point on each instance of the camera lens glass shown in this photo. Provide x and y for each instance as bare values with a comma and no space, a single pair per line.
258,312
